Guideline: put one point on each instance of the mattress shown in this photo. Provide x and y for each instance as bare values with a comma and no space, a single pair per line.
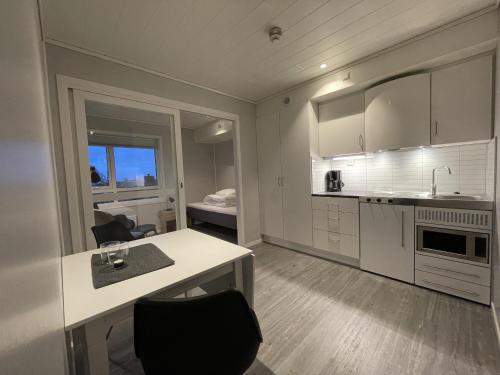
207,207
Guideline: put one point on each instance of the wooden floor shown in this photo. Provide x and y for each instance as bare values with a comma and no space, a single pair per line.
318,317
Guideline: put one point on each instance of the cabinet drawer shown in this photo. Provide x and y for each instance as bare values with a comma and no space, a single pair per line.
459,288
349,223
349,246
334,225
320,219
335,204
456,270
320,203
320,239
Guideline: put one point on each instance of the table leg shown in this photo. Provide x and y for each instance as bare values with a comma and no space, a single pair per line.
244,277
97,347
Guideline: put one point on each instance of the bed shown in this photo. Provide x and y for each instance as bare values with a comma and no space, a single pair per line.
223,216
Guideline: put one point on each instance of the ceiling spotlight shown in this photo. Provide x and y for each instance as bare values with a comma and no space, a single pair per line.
323,66
275,33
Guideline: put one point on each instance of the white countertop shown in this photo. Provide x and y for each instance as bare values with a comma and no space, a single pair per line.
194,253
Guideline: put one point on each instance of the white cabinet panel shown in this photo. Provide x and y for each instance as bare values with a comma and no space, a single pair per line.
452,286
462,101
320,239
320,203
387,240
397,113
269,159
320,219
349,223
342,125
296,169
349,246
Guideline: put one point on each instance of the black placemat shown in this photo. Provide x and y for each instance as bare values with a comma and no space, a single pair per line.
141,259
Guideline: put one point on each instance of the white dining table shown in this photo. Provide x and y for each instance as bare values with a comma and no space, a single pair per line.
199,259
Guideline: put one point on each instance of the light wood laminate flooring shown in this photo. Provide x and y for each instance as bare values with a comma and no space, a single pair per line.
319,317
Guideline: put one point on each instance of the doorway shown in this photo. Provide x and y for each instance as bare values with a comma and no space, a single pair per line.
209,175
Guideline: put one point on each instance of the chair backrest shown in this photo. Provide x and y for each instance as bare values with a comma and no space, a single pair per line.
129,224
214,334
112,231
102,217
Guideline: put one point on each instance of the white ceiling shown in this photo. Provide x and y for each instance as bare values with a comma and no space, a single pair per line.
223,44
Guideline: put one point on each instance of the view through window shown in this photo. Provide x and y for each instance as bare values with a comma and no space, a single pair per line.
134,167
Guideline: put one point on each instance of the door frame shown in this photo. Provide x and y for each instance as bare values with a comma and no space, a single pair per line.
66,89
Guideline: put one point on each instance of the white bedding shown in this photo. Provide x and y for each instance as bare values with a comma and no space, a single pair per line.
207,207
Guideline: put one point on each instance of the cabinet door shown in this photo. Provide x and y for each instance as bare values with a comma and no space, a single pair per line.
269,159
296,165
387,240
462,101
342,126
397,113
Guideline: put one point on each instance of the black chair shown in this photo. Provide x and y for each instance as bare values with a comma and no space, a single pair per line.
112,231
214,334
137,231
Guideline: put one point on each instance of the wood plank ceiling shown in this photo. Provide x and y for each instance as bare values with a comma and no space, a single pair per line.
223,44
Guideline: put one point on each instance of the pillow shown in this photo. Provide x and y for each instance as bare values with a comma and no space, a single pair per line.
226,192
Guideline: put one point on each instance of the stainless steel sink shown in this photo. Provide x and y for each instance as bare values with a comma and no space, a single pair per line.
457,197
463,197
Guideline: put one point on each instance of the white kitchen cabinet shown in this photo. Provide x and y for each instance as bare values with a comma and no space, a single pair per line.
387,240
296,172
397,113
269,159
336,225
462,101
284,174
342,125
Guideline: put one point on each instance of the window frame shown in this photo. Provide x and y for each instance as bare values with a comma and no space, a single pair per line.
112,187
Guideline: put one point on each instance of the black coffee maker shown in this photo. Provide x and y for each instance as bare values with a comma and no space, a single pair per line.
334,181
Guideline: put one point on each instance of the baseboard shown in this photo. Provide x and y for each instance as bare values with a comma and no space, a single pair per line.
311,251
496,322
253,243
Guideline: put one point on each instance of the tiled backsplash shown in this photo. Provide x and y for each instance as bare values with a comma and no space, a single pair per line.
472,167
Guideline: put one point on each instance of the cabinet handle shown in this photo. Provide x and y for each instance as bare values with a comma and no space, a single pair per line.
402,229
361,142
279,181
282,181
451,288
447,270
435,127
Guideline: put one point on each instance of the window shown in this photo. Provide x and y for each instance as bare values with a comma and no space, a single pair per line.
118,168
135,167
99,166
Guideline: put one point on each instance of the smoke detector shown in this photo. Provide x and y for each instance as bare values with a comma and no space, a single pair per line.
275,34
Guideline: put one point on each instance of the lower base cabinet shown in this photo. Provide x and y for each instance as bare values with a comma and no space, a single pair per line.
336,226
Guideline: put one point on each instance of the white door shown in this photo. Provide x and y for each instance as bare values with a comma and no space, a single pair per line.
397,113
342,125
296,165
269,158
462,101
387,240
164,181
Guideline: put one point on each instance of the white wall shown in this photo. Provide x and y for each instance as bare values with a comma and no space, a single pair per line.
496,235
199,171
224,165
78,65
31,311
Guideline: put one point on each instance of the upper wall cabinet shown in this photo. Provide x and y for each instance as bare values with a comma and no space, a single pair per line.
342,125
462,102
397,113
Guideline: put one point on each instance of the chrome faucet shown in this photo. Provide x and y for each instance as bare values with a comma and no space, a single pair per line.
434,177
